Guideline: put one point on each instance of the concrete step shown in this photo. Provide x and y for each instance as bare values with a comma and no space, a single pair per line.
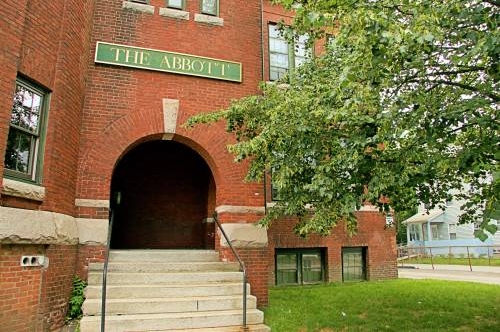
163,255
238,328
171,321
173,290
141,266
92,307
115,278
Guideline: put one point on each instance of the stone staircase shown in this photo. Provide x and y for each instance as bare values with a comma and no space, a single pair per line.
169,290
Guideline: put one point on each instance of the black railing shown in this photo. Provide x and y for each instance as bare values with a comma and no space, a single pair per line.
242,269
105,272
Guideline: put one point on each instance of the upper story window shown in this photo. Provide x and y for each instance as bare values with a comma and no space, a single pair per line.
284,56
210,7
26,132
177,4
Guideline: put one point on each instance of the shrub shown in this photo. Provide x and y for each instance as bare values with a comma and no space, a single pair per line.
76,300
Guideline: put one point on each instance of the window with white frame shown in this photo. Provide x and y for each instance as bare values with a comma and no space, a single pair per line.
285,56
210,7
452,229
414,230
26,132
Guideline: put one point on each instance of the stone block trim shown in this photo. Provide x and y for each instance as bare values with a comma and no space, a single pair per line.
139,7
237,209
92,231
23,190
244,235
40,227
170,112
208,19
104,203
174,13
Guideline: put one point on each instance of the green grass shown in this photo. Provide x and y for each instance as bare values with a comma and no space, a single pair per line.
453,261
395,305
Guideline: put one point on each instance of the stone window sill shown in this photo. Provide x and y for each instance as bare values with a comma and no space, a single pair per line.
174,13
214,20
24,190
139,7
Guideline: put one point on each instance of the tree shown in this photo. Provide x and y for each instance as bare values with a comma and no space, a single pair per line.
401,108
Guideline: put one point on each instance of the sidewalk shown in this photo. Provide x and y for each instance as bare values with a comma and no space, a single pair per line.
482,274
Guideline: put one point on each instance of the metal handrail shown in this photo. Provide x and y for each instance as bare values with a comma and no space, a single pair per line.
242,269
105,272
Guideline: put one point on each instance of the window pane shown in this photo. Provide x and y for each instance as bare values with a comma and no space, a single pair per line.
174,3
353,264
26,109
209,7
286,269
311,268
278,54
301,51
20,146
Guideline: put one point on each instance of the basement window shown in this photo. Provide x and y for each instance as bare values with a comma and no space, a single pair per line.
354,264
299,266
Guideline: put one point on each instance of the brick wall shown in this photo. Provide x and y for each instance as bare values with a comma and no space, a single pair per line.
123,106
54,54
257,268
35,298
372,233
88,254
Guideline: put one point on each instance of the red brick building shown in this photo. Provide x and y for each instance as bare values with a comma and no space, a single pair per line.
101,90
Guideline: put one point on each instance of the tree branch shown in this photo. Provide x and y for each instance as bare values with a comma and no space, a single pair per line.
470,88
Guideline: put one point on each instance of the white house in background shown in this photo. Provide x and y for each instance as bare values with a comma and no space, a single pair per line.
439,230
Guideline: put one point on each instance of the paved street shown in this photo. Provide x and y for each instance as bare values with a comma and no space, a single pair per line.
482,274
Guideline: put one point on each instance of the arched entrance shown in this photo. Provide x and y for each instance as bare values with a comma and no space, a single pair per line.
162,191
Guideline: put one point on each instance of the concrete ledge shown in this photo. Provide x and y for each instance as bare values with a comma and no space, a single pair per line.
92,231
23,190
244,235
240,209
174,13
99,203
139,7
214,20
33,226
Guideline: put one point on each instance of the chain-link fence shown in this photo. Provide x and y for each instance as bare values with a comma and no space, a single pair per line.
486,255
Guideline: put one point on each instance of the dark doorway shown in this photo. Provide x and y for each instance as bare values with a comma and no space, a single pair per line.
160,198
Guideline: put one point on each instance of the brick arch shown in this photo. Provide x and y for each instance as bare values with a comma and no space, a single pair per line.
99,160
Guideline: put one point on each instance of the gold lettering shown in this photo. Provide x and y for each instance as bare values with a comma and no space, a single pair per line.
117,52
186,64
210,68
144,60
127,56
223,69
197,65
164,61
177,63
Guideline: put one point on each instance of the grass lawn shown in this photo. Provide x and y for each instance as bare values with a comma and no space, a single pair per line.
394,305
452,261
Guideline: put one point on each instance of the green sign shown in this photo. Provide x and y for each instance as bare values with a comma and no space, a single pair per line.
185,64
